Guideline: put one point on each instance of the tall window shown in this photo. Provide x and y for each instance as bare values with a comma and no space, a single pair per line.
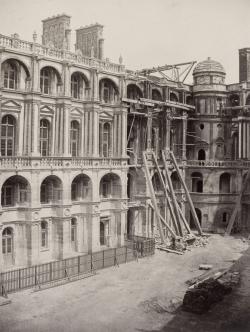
80,188
105,140
45,81
51,190
10,75
15,191
74,138
73,230
8,136
44,234
108,92
197,182
7,241
44,137
224,184
76,86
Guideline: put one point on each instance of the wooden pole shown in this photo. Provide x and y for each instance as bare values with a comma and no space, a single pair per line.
237,207
164,222
153,198
172,193
173,215
191,205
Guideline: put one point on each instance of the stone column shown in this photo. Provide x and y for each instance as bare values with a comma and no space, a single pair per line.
95,85
95,132
124,134
36,74
35,130
67,79
66,130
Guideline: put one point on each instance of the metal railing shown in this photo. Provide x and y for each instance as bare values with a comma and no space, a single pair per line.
34,276
144,246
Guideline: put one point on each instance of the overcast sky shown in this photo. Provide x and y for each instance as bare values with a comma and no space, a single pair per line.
146,32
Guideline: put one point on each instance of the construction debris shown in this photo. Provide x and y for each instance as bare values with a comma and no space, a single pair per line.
203,293
179,245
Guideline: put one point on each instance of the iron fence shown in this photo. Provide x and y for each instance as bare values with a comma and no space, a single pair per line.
32,276
144,246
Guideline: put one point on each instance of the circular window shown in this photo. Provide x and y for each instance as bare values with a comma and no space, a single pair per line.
201,126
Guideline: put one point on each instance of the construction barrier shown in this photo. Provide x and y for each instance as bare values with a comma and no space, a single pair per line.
34,276
143,246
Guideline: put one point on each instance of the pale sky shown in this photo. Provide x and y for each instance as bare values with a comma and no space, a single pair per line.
146,33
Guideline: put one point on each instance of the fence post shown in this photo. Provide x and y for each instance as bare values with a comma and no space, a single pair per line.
35,275
91,262
50,271
19,279
78,264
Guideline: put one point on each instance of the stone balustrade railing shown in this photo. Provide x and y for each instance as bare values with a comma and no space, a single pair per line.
219,163
59,162
38,49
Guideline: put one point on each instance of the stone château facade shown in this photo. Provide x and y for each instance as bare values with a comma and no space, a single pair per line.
72,179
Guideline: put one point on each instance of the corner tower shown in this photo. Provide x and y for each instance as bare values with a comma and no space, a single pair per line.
89,40
56,31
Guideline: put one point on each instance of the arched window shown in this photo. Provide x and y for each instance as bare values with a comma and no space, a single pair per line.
49,81
224,185
175,181
44,234
15,191
157,183
173,97
10,75
80,188
7,245
44,137
156,95
8,129
77,86
201,155
45,81
110,186
134,92
105,139
197,182
108,92
73,230
74,138
51,190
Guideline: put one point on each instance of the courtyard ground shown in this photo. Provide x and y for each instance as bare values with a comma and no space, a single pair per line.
136,296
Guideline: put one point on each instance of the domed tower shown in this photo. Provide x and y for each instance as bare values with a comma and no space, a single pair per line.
209,93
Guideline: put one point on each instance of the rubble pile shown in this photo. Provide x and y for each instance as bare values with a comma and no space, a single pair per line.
200,297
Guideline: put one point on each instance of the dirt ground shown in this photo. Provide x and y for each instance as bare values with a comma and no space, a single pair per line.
136,296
